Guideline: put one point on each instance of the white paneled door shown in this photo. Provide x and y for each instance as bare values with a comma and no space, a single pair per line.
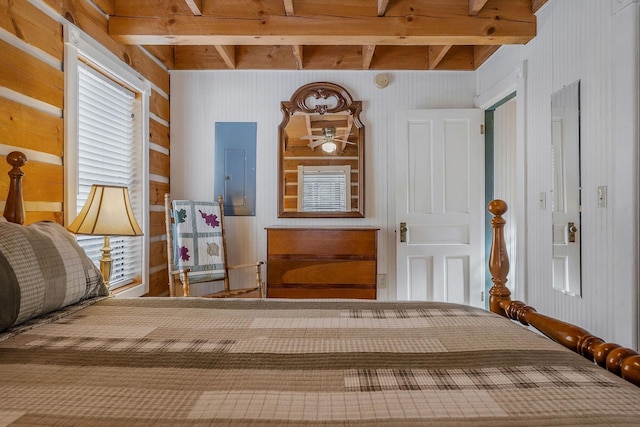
440,205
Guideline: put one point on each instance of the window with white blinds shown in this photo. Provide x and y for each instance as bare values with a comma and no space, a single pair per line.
108,153
324,188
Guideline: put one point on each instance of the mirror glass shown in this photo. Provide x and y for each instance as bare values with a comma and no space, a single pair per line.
565,163
321,154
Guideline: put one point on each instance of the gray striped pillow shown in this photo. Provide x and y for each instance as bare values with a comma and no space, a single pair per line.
42,269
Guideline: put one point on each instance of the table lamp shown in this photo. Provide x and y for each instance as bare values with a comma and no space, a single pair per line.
107,212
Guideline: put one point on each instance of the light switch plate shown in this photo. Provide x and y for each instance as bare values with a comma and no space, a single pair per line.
382,281
602,196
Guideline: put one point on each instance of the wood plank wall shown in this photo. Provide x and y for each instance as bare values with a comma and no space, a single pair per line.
32,103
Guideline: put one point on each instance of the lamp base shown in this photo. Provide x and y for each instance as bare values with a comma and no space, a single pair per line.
105,263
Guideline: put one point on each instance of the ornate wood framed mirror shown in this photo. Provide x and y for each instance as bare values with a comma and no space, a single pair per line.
321,154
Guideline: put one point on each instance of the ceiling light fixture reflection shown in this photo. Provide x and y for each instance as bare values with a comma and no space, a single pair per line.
329,147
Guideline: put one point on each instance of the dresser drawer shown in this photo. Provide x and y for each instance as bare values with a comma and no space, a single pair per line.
309,271
321,262
327,242
349,292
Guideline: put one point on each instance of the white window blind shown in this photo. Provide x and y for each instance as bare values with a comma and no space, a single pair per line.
324,189
108,154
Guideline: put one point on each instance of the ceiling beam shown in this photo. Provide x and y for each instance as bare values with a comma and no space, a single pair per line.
297,54
228,54
537,4
316,30
475,6
107,6
382,7
482,53
367,55
195,6
437,54
326,58
288,7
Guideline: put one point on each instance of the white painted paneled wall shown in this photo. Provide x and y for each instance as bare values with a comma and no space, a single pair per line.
199,99
596,42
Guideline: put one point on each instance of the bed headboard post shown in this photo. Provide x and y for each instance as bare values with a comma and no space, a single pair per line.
499,294
14,208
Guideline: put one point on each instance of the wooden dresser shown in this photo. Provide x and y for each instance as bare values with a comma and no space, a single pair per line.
324,262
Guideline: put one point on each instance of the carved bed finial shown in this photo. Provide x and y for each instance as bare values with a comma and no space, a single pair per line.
14,207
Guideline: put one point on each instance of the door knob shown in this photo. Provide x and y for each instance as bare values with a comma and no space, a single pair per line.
572,229
403,231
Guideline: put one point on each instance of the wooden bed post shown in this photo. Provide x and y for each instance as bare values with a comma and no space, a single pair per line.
622,361
498,259
14,208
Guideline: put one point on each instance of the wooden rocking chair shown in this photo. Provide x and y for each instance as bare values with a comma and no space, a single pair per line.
196,247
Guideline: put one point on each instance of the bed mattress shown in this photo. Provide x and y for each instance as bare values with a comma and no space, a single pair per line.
193,362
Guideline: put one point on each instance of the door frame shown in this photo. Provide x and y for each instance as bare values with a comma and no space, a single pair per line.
489,180
515,82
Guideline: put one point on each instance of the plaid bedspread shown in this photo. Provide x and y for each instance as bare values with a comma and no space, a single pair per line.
201,362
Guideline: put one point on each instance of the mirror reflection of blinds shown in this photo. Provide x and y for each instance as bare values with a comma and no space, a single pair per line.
324,191
107,134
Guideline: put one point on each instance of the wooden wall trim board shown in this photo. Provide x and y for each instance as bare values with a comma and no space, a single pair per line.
32,26
32,50
32,102
156,223
23,99
159,134
159,105
24,73
158,163
32,154
156,118
25,127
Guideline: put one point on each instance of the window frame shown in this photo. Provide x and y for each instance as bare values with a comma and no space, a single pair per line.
80,47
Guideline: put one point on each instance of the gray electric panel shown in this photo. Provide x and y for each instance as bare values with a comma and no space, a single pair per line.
235,167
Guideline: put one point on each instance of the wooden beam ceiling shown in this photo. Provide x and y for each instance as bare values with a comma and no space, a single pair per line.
202,30
436,55
195,6
367,55
288,7
537,4
475,6
228,54
298,54
382,7
333,34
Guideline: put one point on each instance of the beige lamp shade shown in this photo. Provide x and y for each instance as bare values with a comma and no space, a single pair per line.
107,212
